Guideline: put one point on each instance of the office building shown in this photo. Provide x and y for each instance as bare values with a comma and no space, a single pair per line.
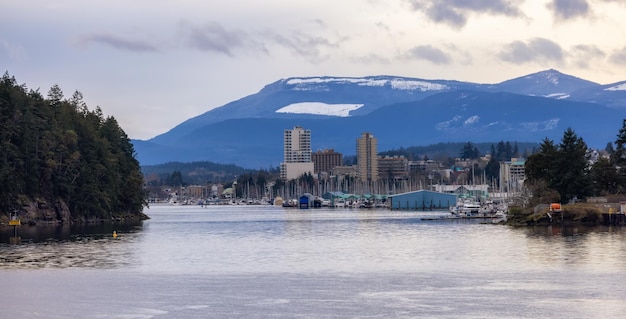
326,160
367,157
393,168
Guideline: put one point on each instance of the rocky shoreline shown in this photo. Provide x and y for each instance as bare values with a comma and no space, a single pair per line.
40,212
574,214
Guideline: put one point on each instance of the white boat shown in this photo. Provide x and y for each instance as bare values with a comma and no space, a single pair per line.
466,209
340,202
470,209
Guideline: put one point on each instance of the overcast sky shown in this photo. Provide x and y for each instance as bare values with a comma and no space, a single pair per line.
155,63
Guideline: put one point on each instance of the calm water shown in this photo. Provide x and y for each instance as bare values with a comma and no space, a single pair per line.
266,262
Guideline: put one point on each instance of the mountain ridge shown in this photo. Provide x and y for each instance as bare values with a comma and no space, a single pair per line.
526,109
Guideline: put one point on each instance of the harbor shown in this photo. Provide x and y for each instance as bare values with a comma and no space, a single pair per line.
242,261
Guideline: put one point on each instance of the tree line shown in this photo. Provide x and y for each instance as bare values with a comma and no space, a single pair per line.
58,153
566,172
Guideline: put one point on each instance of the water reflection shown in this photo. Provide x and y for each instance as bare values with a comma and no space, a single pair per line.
234,262
260,239
594,249
63,246
44,233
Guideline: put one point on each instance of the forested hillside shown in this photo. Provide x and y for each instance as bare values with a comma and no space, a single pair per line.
62,162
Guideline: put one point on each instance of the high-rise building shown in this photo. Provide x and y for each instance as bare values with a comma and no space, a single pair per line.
326,160
297,153
512,175
367,157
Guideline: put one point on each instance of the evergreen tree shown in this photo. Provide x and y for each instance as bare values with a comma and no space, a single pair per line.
605,177
609,148
539,169
492,170
58,152
501,152
508,151
175,179
563,168
469,151
618,156
573,179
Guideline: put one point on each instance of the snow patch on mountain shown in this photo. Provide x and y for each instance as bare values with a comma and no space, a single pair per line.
558,96
621,87
551,76
319,83
449,124
319,108
472,120
541,125
411,85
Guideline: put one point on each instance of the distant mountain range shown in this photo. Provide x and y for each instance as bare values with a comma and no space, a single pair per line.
398,111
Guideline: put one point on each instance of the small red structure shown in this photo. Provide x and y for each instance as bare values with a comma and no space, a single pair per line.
555,207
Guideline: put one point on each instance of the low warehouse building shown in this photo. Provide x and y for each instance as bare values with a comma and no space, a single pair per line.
422,200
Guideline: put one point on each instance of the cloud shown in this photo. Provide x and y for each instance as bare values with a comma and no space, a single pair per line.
116,42
428,53
618,57
303,44
371,59
213,37
14,51
583,55
455,13
383,26
447,15
537,49
569,9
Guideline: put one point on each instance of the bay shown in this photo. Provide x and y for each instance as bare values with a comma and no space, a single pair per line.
272,262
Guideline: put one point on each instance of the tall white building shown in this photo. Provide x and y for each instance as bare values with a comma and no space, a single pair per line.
512,175
297,153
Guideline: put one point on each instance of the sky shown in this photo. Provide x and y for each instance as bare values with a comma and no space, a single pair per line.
153,64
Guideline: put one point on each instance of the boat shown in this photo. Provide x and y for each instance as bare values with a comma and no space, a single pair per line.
466,209
278,201
340,202
290,203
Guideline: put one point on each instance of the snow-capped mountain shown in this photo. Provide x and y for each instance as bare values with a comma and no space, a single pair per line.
331,93
399,111
550,83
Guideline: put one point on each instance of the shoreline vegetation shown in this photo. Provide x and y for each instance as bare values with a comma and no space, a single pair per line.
583,214
63,163
122,218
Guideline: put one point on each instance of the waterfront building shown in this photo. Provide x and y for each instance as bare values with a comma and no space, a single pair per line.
422,200
325,160
367,157
393,168
297,153
512,175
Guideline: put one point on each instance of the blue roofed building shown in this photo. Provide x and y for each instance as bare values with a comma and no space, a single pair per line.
422,200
